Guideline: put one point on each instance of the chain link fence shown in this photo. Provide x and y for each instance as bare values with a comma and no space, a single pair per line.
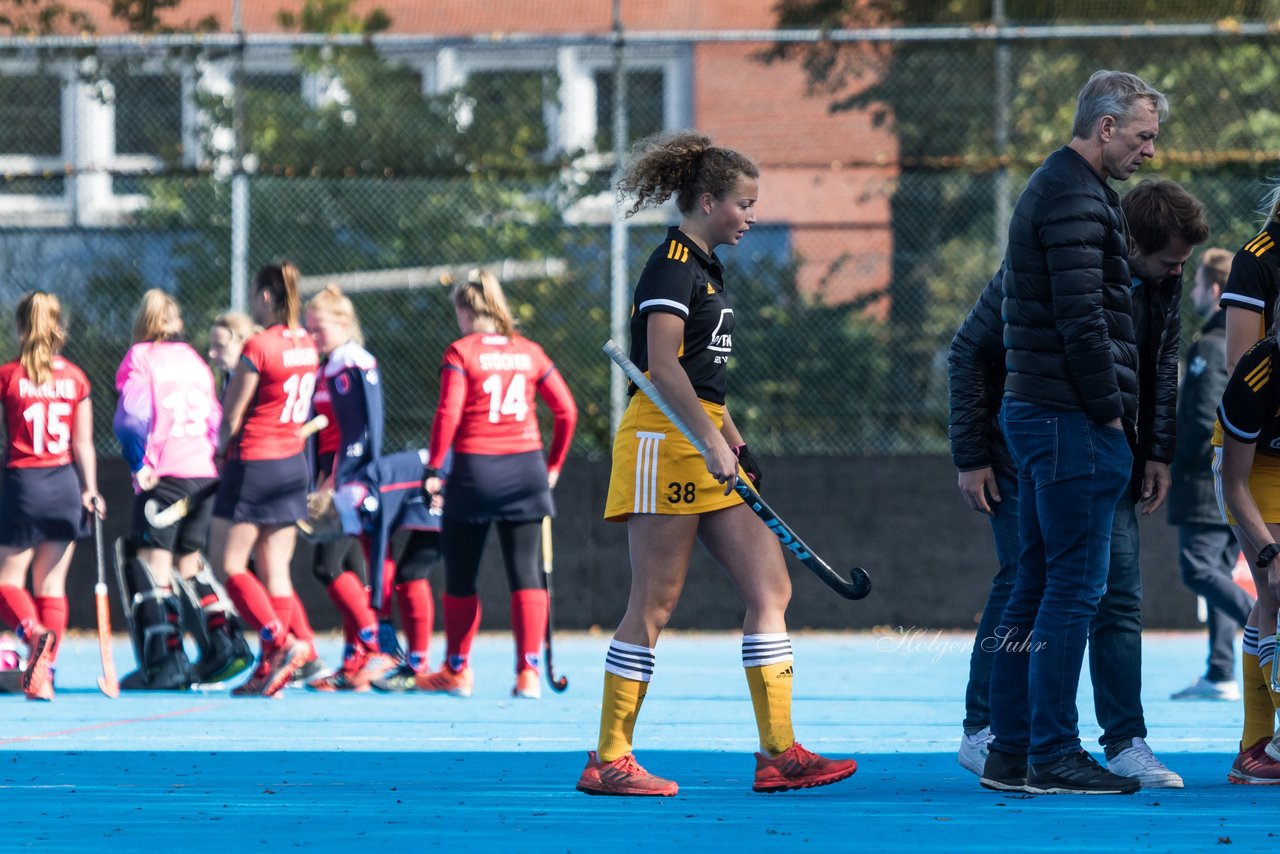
388,167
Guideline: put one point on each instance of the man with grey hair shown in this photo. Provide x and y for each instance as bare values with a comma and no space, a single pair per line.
1069,417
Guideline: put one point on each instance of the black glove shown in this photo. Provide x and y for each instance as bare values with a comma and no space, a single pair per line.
749,465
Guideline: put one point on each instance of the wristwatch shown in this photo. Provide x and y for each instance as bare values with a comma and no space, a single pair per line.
1267,555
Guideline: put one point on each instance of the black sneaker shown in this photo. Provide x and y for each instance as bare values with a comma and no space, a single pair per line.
1004,772
1077,774
228,656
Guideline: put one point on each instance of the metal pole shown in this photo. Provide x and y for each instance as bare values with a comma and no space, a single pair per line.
239,180
1003,93
618,284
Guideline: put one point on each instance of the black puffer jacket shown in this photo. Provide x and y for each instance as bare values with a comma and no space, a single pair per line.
1161,301
975,376
1068,333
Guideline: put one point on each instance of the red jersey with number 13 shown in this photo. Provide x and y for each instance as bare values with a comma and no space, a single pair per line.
502,378
40,418
285,361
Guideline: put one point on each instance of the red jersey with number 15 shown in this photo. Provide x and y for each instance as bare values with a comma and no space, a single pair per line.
489,385
40,418
285,361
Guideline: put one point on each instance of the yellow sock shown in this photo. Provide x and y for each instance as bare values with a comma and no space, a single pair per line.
1259,708
618,712
770,686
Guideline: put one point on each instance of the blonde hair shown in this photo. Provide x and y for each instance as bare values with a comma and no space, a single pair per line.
333,301
481,295
240,325
1216,264
157,311
281,281
40,329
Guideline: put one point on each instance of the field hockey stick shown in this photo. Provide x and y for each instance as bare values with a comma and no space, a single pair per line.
107,682
561,684
859,584
164,517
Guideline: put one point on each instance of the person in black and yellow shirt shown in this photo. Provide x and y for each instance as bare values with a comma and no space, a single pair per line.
1249,300
670,495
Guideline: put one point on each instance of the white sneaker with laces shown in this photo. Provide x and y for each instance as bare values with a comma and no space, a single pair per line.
1273,749
1203,689
1140,763
974,749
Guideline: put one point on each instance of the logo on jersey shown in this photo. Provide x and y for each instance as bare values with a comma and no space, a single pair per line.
677,251
1197,366
722,336
342,384
710,289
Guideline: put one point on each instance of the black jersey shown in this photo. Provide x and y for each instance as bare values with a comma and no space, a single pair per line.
681,279
1248,410
1254,283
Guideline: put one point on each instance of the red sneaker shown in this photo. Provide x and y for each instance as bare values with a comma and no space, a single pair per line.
252,687
1253,767
797,768
37,679
622,776
528,685
445,681
283,662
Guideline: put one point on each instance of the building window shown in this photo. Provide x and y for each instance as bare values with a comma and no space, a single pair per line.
513,100
148,115
31,115
646,108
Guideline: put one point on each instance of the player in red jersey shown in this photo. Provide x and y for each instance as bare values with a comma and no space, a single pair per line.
487,415
50,483
263,490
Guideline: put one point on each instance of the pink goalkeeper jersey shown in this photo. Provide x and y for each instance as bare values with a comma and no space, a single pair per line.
168,415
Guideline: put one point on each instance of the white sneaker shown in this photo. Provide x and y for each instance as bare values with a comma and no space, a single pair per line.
1203,689
973,750
1140,763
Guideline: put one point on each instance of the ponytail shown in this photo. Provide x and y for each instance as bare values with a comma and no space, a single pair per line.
481,295
281,281
39,319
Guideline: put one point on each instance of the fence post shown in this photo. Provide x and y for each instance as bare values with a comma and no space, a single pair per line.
618,284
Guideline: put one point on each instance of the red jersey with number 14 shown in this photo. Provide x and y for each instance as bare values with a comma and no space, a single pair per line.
40,418
285,361
489,385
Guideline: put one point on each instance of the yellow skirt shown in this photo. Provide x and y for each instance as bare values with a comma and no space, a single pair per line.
1264,486
657,470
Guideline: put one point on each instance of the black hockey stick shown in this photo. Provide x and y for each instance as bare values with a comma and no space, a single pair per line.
561,684
859,584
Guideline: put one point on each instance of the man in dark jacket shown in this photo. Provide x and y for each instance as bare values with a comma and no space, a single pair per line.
1207,549
1165,222
1070,410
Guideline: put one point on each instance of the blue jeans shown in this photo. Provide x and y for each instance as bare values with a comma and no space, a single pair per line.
1115,636
1071,473
1207,555
1004,528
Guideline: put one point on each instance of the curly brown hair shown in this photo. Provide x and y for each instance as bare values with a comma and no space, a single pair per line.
684,165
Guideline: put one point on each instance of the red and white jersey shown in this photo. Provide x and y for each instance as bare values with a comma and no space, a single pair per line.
168,413
40,419
285,361
489,385
330,438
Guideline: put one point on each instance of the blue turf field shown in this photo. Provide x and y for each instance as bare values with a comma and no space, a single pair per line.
324,772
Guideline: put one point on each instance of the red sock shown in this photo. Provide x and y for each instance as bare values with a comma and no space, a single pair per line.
283,606
461,622
351,598
53,613
17,609
418,612
388,584
529,625
253,603
299,625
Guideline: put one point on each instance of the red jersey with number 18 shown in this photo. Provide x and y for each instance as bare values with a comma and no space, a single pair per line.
40,418
285,361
